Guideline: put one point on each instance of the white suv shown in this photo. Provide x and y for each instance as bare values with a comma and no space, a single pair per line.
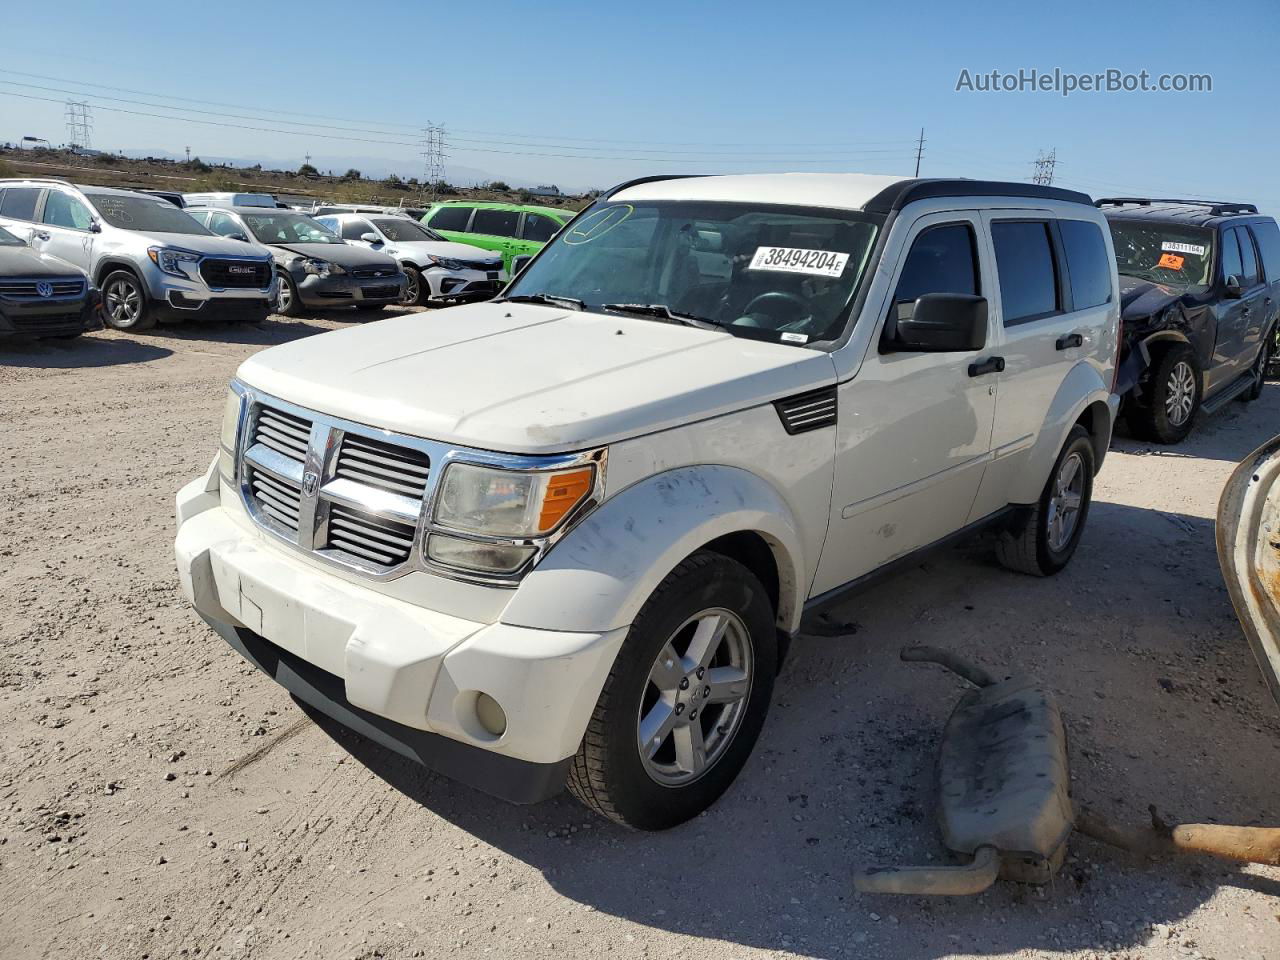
570,532
150,260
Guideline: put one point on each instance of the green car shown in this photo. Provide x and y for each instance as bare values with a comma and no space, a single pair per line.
512,228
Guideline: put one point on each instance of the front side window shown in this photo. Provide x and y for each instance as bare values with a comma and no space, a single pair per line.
1087,262
288,228
779,273
144,214
223,225
20,203
1168,253
451,218
1025,265
942,259
402,230
495,223
1248,259
62,210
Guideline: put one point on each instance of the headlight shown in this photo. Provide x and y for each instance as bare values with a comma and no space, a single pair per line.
447,263
509,503
230,433
322,268
170,260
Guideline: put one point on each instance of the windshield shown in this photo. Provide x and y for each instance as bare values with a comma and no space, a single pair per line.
288,228
401,230
144,213
768,272
1163,252
7,239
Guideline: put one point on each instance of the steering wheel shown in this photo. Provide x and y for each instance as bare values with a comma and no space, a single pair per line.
774,298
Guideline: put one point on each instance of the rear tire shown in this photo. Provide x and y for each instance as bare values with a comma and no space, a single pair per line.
1044,539
704,642
1173,397
125,305
1261,368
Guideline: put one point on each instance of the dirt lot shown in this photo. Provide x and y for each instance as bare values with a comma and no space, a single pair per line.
158,798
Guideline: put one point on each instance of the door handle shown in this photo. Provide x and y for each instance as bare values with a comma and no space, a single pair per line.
1067,341
989,365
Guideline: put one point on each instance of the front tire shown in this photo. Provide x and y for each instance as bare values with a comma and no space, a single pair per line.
288,303
416,290
1043,541
685,701
124,302
1174,396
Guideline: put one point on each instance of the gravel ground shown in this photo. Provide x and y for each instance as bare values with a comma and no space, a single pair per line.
158,798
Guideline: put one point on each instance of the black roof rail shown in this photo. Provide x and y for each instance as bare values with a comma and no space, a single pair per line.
907,191
653,179
1216,207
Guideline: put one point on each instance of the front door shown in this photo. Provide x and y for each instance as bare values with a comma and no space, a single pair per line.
913,429
494,228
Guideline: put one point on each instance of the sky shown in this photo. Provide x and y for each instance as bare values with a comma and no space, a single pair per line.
589,94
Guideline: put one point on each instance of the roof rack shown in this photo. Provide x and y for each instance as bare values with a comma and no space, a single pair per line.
62,180
906,191
642,180
1217,208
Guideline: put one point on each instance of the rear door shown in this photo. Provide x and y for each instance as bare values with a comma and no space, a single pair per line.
1257,296
1249,554
18,210
1233,315
66,230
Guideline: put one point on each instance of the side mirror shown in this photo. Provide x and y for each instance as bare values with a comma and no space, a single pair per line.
238,236
1232,288
940,323
95,226
370,238
519,262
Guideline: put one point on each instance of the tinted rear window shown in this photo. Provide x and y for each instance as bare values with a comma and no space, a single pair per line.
1268,236
495,223
1024,261
450,218
145,214
1248,259
20,203
1087,262
1232,265
539,228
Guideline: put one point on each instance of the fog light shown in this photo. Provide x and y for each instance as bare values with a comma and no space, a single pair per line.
491,715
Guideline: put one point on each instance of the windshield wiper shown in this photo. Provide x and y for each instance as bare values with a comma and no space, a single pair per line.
547,298
664,312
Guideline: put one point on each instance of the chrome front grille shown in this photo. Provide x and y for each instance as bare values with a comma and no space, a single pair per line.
276,498
360,498
30,289
387,543
386,466
282,432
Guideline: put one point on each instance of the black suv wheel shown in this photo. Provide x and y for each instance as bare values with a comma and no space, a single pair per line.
1172,400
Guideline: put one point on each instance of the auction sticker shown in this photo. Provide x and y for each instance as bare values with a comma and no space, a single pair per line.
819,263
1191,248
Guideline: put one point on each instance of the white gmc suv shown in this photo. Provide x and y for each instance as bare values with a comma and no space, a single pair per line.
568,533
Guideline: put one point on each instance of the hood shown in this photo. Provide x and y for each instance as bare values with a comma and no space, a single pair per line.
25,262
212,246
445,248
343,254
1143,298
523,378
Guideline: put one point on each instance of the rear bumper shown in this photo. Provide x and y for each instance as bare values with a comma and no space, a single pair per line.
508,778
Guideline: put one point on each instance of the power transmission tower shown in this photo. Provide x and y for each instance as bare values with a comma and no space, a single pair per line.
433,157
919,150
79,124
1044,167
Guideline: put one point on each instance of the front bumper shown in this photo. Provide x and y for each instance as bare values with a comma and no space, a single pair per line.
401,674
464,284
338,291
53,317
178,297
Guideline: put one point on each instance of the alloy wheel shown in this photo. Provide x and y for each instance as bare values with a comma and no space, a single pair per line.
284,296
124,303
1180,395
1065,502
410,290
695,698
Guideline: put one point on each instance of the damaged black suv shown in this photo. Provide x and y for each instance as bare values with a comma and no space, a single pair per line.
1200,298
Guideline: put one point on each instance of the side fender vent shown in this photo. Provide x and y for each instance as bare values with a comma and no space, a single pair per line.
808,411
